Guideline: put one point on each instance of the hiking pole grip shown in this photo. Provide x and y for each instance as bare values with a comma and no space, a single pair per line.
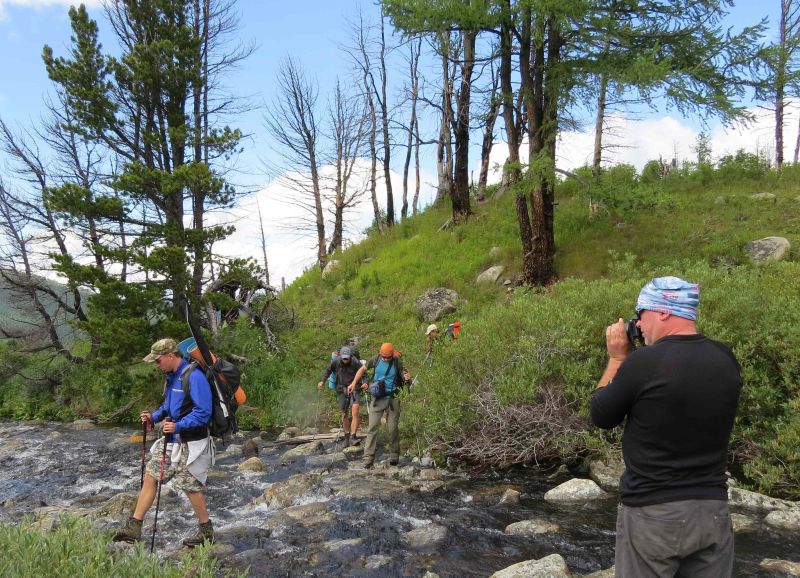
145,429
160,483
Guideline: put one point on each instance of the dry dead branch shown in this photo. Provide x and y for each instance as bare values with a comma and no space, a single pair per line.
515,434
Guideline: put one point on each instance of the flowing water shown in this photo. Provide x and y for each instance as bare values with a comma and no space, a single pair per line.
351,523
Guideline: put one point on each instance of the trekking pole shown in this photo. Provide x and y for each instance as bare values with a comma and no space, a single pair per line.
145,429
158,491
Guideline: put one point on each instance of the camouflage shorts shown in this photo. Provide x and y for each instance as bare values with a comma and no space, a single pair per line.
184,481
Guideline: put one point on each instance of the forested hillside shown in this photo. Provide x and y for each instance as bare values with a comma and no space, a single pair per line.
121,186
515,387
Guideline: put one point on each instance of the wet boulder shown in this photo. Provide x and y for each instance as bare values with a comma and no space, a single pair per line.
552,566
360,484
754,501
253,464
337,545
742,523
303,450
290,490
510,496
532,528
576,490
376,561
783,566
117,507
606,472
607,573
81,424
429,536
289,432
250,448
784,519
303,516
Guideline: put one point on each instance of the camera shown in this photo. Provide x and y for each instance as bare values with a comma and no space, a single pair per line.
633,331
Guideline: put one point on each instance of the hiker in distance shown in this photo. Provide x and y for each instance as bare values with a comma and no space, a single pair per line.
432,333
344,369
189,449
388,377
678,397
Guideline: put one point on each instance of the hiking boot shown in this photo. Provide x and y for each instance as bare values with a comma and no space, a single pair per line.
346,440
354,441
204,534
368,464
130,532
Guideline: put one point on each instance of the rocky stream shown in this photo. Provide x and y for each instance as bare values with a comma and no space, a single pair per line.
282,508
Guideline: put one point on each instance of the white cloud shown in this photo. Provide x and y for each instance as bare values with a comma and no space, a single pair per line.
637,141
290,252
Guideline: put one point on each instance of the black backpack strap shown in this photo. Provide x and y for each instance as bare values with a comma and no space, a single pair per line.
188,403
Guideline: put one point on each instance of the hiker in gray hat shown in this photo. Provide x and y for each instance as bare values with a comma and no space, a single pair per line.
344,369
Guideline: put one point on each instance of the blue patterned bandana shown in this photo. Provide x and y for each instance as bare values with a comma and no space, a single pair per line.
670,295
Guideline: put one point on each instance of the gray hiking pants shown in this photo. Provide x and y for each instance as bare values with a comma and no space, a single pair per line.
688,538
377,407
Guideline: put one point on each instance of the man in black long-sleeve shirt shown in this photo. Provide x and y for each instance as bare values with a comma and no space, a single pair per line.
678,398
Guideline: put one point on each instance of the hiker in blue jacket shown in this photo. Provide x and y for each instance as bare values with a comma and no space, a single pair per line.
190,450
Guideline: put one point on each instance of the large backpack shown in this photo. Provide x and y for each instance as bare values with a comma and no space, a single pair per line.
226,395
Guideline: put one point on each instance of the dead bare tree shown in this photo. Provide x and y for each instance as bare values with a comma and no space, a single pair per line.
489,119
415,48
292,121
348,134
360,53
444,146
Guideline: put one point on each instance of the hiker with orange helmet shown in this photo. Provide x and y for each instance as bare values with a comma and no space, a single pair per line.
388,376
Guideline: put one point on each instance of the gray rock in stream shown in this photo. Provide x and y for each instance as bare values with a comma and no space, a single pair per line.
253,464
292,489
606,472
755,501
425,537
784,519
532,528
303,450
117,507
552,566
376,561
81,424
742,523
576,490
607,573
784,566
285,519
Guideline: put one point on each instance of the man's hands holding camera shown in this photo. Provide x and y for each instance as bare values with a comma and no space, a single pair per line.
617,342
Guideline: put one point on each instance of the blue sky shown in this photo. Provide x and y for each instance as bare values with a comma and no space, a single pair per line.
311,31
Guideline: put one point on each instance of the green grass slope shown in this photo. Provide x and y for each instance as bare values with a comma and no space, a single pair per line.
515,387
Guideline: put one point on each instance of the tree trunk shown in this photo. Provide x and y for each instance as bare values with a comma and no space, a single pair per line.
460,193
387,144
598,125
